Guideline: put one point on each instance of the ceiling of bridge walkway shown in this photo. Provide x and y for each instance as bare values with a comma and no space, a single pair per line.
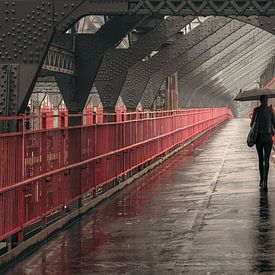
232,62
242,71
215,68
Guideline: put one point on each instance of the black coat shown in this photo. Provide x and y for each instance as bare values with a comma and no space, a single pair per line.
265,118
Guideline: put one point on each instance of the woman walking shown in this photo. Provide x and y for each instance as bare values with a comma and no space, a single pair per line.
264,115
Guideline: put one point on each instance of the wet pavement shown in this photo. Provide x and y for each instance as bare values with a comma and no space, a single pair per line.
201,212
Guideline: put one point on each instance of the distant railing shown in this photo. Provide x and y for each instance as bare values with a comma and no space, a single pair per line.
49,171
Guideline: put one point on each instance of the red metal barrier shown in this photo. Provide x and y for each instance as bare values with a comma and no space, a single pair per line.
63,117
46,118
44,170
90,114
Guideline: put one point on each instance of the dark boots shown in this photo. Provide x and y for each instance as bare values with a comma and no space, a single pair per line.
263,185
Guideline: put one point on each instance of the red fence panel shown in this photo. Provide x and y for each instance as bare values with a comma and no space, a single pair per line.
44,170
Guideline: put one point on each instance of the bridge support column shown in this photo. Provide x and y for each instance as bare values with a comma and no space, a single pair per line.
89,50
27,29
172,92
117,62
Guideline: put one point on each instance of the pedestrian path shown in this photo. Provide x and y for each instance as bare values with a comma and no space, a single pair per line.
201,212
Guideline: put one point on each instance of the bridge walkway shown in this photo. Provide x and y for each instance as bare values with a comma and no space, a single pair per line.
200,212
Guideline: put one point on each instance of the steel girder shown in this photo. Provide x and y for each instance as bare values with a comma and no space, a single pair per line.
218,89
223,63
199,67
37,99
207,55
27,29
202,8
116,62
191,98
268,73
177,64
138,76
59,59
262,22
233,69
89,51
241,76
24,45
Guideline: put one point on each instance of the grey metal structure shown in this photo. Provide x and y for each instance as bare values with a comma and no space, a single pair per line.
242,72
117,62
204,38
144,73
30,27
247,61
60,59
268,73
89,51
203,7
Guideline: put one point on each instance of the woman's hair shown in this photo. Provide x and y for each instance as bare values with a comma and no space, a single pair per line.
263,99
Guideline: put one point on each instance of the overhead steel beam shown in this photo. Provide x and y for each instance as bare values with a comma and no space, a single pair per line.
266,23
116,62
138,76
134,84
242,76
175,65
37,99
224,64
201,58
27,29
225,61
24,45
198,67
187,96
235,77
89,50
232,70
268,73
60,60
202,8
218,89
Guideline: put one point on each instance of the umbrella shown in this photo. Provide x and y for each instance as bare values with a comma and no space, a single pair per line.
254,94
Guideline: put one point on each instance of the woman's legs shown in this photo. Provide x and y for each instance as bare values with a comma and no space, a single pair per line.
264,147
267,151
260,151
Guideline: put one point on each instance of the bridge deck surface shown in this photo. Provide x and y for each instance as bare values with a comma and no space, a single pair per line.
200,212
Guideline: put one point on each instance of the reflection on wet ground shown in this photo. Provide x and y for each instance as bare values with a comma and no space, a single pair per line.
264,258
201,212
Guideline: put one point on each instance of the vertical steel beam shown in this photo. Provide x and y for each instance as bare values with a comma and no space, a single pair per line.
134,83
138,76
27,29
89,50
116,62
205,44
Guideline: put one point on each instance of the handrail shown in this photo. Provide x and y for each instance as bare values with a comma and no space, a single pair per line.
45,169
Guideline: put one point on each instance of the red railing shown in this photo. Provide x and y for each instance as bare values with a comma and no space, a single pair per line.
42,171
